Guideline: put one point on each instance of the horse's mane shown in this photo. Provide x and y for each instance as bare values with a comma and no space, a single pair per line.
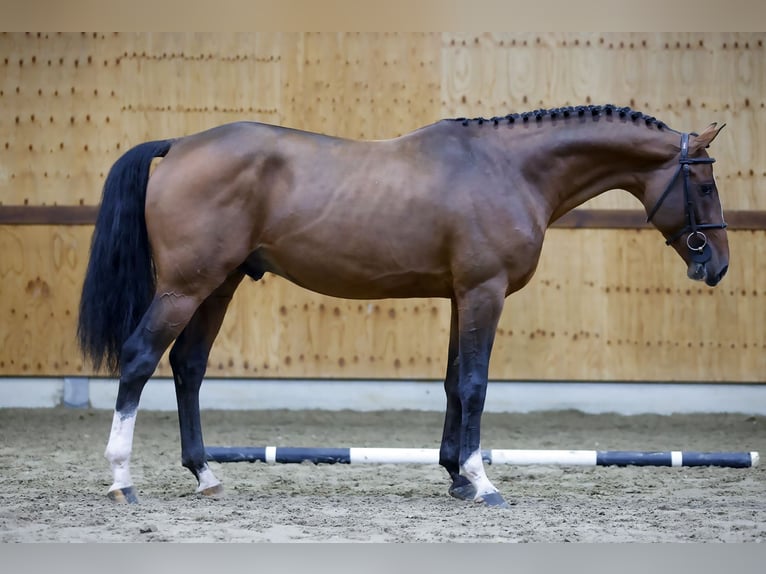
569,112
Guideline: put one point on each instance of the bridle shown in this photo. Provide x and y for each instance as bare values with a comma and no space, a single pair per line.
696,242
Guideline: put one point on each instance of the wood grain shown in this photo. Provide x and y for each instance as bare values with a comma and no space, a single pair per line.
630,313
609,301
70,104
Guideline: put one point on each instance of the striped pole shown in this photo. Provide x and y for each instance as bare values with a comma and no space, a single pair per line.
352,455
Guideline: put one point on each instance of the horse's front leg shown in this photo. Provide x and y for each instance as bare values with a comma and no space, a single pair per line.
449,454
479,310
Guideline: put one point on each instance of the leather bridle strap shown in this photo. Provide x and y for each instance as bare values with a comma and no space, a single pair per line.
699,252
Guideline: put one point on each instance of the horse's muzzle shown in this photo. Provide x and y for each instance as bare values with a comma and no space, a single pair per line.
715,279
701,272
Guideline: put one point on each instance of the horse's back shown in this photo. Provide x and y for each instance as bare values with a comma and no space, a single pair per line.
344,217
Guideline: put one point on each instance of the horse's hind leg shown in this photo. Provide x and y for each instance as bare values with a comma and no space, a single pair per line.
449,454
188,359
165,318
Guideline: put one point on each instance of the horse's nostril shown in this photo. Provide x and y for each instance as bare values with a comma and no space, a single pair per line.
722,272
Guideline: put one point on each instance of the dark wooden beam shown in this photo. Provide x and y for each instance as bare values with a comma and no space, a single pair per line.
578,219
737,219
48,214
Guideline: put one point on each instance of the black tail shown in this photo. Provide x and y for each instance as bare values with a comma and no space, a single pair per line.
120,280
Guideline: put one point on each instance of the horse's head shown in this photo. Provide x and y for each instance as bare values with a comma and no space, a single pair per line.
682,201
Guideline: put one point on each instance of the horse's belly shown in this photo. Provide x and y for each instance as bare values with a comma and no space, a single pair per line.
362,276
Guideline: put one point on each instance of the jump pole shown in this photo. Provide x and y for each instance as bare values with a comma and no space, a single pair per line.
353,455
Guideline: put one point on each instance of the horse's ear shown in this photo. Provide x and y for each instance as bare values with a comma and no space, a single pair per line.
705,138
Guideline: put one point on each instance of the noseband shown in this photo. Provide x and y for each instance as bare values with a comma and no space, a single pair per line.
696,242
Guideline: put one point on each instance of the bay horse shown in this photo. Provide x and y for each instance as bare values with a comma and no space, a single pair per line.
457,209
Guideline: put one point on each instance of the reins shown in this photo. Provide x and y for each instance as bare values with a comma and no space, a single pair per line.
696,242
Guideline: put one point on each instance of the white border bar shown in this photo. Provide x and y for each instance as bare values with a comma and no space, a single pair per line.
360,395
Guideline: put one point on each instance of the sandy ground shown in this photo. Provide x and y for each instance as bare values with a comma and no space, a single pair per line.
53,479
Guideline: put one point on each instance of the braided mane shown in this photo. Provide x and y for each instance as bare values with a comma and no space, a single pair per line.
569,112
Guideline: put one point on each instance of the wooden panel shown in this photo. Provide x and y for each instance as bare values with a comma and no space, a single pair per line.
364,86
70,103
604,304
194,81
59,116
629,314
41,272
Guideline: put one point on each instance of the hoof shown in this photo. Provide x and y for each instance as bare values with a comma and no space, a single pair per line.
215,491
462,489
125,495
493,499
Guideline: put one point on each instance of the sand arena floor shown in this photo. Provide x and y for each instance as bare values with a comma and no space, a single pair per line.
54,479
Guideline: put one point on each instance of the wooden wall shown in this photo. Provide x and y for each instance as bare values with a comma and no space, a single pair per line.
605,304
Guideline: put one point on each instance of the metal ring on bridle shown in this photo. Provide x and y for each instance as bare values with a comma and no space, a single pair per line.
697,234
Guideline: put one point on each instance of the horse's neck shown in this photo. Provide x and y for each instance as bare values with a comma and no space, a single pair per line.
578,162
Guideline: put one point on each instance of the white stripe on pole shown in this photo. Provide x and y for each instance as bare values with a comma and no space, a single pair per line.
394,455
498,456
555,457
271,454
676,458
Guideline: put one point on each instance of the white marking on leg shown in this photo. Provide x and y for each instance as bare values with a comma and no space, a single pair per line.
118,449
207,479
473,470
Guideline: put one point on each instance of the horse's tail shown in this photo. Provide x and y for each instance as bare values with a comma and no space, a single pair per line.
120,280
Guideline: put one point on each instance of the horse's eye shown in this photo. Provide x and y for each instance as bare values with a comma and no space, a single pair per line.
706,188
